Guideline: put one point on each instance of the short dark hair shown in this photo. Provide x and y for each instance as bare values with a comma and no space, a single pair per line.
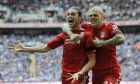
78,10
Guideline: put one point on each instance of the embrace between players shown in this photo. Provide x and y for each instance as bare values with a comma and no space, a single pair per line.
87,46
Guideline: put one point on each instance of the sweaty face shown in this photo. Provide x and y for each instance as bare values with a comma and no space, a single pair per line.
96,18
73,18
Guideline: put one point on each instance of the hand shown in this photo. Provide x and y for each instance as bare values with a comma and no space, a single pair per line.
74,76
16,47
75,38
97,42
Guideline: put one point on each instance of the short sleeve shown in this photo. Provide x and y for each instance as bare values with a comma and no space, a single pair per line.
113,29
86,25
56,41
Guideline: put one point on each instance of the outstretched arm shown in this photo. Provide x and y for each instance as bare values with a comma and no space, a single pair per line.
67,30
19,47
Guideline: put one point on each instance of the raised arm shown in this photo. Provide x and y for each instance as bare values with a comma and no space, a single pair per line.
19,47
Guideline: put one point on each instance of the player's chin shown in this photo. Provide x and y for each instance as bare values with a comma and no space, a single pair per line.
71,25
94,23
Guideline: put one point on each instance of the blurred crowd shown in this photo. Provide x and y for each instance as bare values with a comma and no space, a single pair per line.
129,57
14,67
17,11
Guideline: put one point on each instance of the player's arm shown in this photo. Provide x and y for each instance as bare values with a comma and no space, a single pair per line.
54,43
117,39
39,48
19,47
90,64
66,28
90,55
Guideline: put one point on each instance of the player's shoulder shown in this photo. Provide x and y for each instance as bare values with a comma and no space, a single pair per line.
88,34
110,24
85,24
88,23
61,34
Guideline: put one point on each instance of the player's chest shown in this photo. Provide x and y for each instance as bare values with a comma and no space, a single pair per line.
68,44
101,34
67,40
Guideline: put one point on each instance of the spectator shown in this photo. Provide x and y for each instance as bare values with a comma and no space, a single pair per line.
115,9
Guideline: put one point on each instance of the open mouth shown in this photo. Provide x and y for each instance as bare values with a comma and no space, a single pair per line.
93,21
70,21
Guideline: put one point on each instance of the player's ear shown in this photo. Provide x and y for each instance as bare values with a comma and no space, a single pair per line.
104,16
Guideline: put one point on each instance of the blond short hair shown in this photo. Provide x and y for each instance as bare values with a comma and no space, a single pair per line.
97,10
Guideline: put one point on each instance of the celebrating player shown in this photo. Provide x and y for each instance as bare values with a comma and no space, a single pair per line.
106,36
77,59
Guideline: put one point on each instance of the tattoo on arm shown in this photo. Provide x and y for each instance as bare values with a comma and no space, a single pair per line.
116,40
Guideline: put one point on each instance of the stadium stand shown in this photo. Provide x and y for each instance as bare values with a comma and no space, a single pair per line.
25,11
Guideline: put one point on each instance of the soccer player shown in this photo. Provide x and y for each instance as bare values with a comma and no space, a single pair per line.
106,36
77,58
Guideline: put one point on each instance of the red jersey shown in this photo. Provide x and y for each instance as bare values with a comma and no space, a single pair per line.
74,54
87,26
106,57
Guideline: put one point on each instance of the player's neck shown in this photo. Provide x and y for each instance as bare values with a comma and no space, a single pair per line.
99,26
78,27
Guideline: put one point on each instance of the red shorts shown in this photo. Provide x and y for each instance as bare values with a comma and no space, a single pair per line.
81,80
107,77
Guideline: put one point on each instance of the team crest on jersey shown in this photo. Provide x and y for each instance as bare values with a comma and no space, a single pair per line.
102,34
